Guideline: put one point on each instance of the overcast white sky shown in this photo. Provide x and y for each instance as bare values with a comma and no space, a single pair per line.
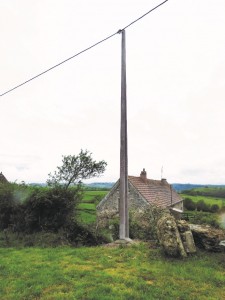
175,87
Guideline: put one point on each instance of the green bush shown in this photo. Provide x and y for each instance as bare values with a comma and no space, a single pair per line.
214,208
206,218
7,205
142,225
43,216
49,209
79,235
189,204
202,206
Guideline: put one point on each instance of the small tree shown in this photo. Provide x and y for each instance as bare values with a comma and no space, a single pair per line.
7,204
189,204
49,209
214,208
202,206
76,168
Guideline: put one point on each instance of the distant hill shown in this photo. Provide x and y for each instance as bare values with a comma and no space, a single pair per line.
94,185
100,185
179,187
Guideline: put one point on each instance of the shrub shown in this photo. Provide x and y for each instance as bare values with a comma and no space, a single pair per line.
214,208
206,218
189,204
142,224
202,206
79,235
49,209
7,205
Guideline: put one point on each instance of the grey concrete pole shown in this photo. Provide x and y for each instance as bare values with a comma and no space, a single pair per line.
123,204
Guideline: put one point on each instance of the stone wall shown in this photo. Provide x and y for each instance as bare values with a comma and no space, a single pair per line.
179,205
108,208
111,200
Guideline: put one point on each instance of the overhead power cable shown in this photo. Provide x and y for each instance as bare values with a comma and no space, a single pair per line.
77,54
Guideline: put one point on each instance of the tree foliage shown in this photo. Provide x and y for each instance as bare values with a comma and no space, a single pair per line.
189,204
49,209
76,168
200,205
7,205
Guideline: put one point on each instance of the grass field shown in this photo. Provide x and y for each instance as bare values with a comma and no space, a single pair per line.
136,272
86,209
90,195
208,200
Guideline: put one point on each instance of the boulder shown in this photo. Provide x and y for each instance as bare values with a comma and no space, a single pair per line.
208,238
186,236
169,237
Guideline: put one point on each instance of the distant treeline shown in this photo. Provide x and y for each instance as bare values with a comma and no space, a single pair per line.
200,205
183,187
206,191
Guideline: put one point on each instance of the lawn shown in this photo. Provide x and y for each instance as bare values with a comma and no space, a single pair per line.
136,272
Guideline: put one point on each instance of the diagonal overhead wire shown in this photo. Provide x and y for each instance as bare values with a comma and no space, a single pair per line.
86,49
57,65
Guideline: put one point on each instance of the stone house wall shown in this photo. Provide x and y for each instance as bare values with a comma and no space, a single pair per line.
111,201
179,205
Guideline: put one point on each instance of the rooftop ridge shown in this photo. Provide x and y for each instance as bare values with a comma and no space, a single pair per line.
155,192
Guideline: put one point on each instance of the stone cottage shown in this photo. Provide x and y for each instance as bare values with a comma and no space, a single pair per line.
143,193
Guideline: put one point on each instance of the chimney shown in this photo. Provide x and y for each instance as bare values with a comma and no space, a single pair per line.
143,175
164,181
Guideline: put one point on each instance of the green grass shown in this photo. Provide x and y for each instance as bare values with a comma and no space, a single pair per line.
87,207
99,273
208,200
209,218
89,195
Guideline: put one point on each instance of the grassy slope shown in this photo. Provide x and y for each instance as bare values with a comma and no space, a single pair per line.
208,200
109,273
86,209
210,191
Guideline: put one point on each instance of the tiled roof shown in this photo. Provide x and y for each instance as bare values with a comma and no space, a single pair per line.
157,192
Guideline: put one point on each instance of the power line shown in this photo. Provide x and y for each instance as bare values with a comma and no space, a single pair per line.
145,14
57,65
77,54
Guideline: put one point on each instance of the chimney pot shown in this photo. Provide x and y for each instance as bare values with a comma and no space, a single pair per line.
143,175
163,180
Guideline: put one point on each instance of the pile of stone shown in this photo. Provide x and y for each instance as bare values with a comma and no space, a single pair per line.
175,237
208,238
179,239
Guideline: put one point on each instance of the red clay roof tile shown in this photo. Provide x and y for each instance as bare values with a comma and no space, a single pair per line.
157,192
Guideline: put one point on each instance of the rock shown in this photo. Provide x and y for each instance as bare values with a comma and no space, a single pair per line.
188,242
208,238
183,226
186,236
222,243
169,237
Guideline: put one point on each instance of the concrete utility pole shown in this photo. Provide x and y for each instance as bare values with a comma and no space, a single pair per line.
123,203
